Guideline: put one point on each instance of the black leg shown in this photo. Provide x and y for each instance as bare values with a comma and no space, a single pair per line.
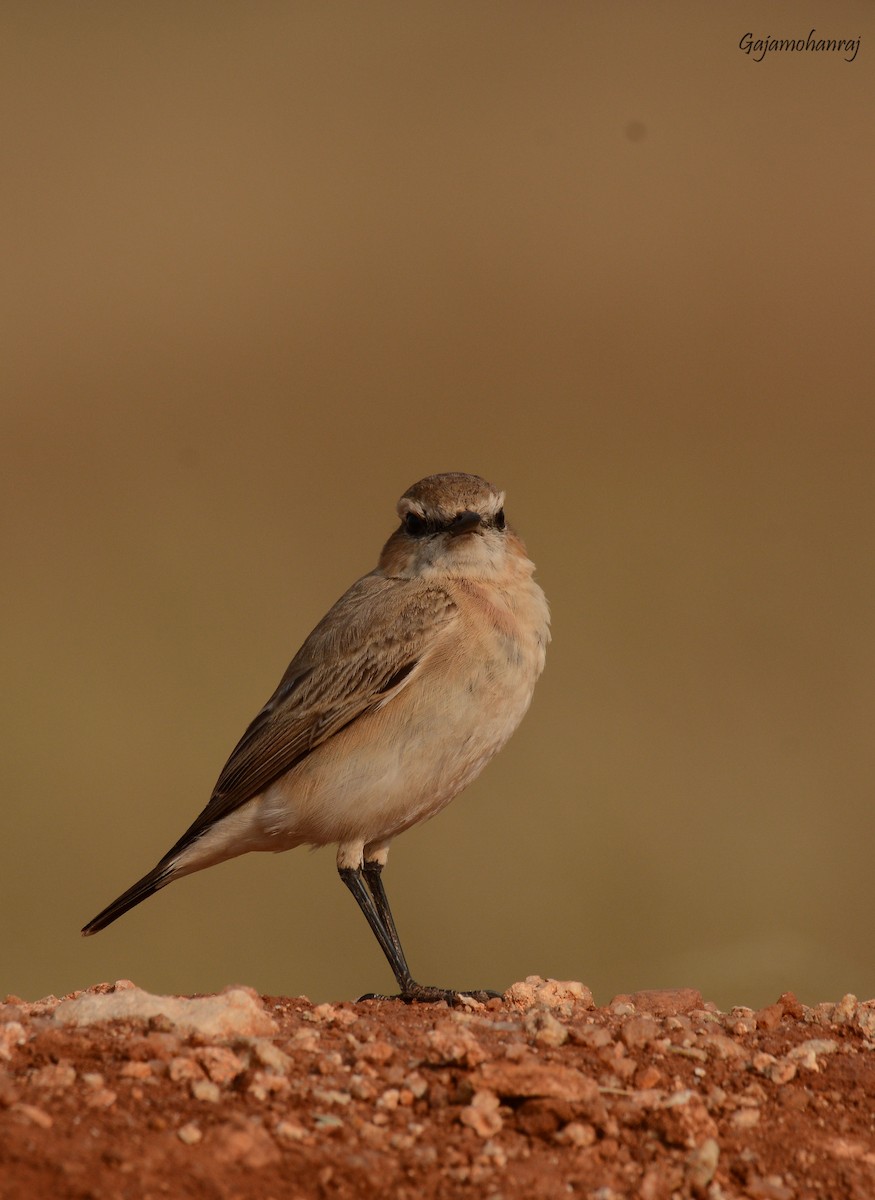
390,945
373,872
374,903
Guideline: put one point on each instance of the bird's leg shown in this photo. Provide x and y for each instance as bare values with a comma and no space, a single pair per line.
373,872
374,903
354,879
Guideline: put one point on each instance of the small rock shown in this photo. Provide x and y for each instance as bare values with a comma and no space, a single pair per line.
378,1052
323,1012
291,1131
182,1068
543,1028
136,1070
331,1123
722,1047
249,1144
576,1133
524,1080
702,1165
864,1019
843,1012
663,1002
770,1188
648,1077
550,993
805,1054
11,1035
389,1099
306,1039
36,1116
221,1064
361,1088
331,1096
791,1006
190,1134
453,1044
482,1114
206,1090
745,1118
594,1036
770,1017
639,1031
267,1083
416,1084
779,1070
236,1012
682,1119
270,1056
55,1075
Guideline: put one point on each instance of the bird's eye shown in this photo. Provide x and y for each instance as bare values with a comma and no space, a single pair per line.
499,519
415,525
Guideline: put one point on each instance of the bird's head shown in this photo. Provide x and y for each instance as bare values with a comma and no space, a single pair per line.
451,524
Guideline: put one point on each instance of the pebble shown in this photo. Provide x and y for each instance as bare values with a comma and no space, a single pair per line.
662,1002
535,1080
247,1143
221,1064
702,1165
270,1056
292,1131
236,1012
725,1048
482,1114
805,1054
11,1035
453,1044
55,1075
265,1084
745,1118
550,993
639,1031
36,1116
576,1133
770,1017
181,1069
134,1069
543,1028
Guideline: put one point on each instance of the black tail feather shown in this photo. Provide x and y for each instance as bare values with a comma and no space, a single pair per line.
141,890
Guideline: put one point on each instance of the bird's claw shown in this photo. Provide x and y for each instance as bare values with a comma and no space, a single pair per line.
418,993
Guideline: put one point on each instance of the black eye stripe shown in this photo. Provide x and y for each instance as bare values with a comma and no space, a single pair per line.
415,525
418,526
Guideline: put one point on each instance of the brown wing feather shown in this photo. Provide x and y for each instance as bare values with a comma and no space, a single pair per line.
358,654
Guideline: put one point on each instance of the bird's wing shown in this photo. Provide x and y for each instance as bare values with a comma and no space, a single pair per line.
358,656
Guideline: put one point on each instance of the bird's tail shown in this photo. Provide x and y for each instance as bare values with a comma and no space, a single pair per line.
141,890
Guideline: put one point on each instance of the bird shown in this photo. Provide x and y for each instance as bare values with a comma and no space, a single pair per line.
396,701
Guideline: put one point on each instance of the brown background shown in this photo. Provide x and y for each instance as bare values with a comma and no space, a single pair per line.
267,264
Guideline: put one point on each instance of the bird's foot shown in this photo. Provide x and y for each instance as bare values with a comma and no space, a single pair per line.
418,993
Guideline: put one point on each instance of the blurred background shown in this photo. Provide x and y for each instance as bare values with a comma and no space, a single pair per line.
267,264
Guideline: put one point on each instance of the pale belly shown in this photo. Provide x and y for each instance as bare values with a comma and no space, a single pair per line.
399,765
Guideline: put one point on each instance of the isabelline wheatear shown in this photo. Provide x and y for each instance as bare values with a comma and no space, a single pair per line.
398,698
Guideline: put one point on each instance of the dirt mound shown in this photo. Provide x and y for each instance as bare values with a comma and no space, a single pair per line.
114,1093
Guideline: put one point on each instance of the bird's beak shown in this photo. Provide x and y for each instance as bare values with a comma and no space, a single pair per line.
464,522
